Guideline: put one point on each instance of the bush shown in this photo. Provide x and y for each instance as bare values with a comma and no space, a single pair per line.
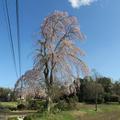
46,116
4,109
36,104
114,98
28,118
100,100
21,107
63,105
12,108
107,97
72,105
13,118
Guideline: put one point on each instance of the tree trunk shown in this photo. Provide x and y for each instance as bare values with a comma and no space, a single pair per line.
49,84
49,103
96,97
49,98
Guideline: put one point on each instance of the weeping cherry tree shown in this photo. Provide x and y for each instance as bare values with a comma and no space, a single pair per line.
57,54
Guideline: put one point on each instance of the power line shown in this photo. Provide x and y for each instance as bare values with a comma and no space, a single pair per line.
19,45
18,36
1,16
10,35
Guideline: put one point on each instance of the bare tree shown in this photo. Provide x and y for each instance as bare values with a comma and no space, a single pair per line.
57,54
98,89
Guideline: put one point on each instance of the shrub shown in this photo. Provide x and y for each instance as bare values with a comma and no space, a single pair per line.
63,105
13,118
21,107
4,109
28,118
36,104
72,105
107,97
114,98
12,108
43,116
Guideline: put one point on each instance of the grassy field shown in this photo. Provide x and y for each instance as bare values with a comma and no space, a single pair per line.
8,104
105,112
86,112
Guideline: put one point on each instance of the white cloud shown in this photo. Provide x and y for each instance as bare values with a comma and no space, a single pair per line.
78,3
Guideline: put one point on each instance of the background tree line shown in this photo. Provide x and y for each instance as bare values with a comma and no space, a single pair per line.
103,88
85,90
6,94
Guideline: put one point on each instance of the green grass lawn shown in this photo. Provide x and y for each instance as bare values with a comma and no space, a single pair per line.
8,104
86,112
14,104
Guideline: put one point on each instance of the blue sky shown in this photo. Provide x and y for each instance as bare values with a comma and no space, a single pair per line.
99,21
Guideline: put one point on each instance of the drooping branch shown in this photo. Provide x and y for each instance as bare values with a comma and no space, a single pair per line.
57,54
